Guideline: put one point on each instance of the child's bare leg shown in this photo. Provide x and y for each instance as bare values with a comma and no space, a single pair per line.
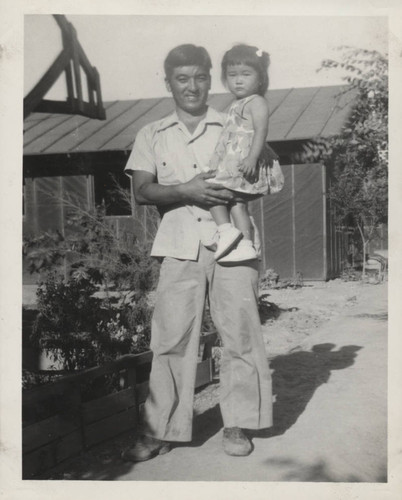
241,219
220,214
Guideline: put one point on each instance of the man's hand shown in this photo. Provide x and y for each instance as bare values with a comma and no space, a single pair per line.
208,194
198,191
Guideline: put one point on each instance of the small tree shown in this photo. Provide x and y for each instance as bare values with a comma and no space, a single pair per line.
359,154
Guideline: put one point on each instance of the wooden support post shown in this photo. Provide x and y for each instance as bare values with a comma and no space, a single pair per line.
90,89
100,109
68,71
77,68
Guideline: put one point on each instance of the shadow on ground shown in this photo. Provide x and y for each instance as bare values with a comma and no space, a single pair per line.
295,378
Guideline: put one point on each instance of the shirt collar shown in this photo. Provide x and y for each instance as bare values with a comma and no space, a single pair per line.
212,117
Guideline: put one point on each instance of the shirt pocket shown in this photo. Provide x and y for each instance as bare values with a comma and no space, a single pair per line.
167,168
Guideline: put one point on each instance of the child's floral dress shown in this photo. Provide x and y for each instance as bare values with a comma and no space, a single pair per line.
233,146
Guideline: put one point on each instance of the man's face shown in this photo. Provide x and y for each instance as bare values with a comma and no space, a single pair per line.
189,86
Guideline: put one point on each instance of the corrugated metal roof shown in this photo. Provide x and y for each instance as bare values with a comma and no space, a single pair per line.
296,114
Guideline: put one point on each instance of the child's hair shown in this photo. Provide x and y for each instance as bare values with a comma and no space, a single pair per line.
251,56
186,55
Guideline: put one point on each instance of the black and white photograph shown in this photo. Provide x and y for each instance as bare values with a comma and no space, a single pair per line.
206,252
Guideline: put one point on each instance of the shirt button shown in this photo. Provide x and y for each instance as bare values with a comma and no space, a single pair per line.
194,166
199,219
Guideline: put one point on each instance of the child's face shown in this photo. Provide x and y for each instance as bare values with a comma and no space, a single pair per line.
242,80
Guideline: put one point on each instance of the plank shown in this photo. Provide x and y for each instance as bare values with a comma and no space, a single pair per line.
74,106
33,396
43,432
131,379
46,457
108,405
110,427
142,391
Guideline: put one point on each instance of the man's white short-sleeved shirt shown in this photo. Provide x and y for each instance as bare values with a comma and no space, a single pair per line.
166,149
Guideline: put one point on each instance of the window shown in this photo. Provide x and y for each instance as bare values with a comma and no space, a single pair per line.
113,191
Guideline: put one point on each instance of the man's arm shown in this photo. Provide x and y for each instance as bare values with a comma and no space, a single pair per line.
197,191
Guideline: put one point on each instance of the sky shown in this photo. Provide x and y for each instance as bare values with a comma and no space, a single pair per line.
128,51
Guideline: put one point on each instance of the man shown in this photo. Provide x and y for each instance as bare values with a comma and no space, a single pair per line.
166,165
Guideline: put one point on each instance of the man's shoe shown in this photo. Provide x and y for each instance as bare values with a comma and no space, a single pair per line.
145,448
236,443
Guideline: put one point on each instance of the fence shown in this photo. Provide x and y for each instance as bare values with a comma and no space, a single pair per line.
58,424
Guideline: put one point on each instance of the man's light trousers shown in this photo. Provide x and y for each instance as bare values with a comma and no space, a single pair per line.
245,381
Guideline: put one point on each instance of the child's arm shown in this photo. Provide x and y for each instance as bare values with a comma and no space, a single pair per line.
259,112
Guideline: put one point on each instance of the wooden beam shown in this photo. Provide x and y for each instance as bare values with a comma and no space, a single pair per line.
67,107
76,66
90,90
104,407
44,458
59,386
47,106
45,83
47,430
109,427
67,28
75,104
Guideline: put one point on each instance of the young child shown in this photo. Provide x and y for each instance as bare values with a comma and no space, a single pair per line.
242,157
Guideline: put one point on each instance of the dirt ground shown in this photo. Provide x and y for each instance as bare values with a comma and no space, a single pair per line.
327,347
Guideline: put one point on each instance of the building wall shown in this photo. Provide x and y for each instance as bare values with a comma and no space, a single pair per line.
50,200
297,225
297,228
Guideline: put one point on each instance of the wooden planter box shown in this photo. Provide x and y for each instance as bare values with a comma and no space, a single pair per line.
59,425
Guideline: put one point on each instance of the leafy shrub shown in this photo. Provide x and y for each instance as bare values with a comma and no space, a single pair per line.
81,330
98,308
31,379
94,251
269,279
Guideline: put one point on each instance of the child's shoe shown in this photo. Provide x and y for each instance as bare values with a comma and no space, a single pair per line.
243,251
227,240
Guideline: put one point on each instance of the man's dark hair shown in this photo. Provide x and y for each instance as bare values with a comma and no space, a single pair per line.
186,55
